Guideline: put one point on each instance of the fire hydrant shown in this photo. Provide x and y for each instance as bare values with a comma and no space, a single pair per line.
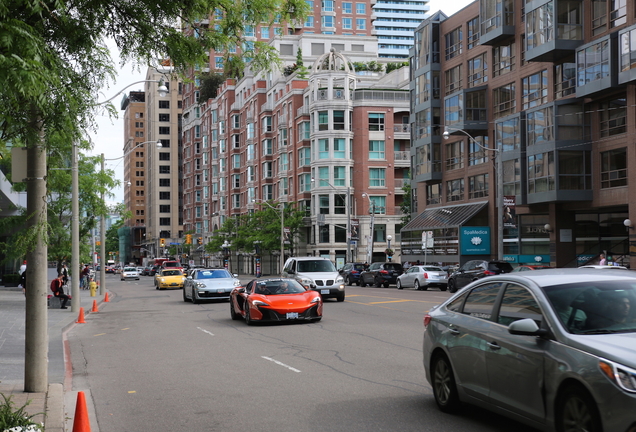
93,287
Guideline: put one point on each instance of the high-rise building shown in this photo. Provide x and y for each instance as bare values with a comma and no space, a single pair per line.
394,24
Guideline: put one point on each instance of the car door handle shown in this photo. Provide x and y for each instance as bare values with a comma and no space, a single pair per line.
493,345
454,331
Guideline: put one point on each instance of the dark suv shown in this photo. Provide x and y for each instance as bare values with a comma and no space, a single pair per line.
476,269
381,273
351,273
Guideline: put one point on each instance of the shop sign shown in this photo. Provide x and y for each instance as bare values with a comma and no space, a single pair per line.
474,240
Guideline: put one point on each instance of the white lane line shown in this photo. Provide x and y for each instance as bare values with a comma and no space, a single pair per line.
281,364
205,331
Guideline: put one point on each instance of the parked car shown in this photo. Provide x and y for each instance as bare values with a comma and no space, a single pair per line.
422,277
317,273
172,265
476,269
129,273
381,274
277,300
351,273
604,267
523,268
209,284
555,349
109,269
146,271
169,278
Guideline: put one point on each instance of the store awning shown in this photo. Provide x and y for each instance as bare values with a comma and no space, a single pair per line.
442,217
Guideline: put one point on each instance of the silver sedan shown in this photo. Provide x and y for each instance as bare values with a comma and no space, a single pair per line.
423,277
209,284
555,349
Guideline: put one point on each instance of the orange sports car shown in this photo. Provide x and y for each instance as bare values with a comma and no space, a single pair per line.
275,300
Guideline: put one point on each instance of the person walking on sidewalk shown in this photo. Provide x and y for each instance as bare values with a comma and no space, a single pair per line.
84,280
57,286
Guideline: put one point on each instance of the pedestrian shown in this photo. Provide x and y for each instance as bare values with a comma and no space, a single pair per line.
366,266
406,266
23,282
602,260
64,274
23,267
57,287
84,281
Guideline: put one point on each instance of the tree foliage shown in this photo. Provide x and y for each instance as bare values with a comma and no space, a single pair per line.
210,83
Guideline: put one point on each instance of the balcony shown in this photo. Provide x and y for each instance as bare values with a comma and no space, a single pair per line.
302,111
497,28
402,158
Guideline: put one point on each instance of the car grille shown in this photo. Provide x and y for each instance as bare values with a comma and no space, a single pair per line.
320,282
271,315
211,294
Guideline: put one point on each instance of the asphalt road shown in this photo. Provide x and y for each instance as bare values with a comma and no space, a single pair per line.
150,362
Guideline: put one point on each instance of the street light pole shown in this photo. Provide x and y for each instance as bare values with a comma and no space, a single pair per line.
102,224
499,199
371,227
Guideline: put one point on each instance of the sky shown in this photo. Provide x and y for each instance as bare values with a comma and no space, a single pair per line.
109,137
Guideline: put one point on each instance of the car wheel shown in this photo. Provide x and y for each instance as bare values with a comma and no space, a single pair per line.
416,285
399,284
348,281
386,284
195,299
248,319
340,297
451,286
185,299
577,411
444,387
233,313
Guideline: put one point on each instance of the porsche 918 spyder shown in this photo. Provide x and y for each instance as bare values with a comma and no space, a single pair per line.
275,300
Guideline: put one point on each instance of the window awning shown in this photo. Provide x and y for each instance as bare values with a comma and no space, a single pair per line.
442,217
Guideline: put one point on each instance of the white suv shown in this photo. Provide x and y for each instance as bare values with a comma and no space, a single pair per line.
319,273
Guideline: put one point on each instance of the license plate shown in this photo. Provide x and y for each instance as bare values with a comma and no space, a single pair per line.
324,291
292,315
220,291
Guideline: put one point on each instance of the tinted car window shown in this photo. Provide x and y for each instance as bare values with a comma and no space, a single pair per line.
518,303
500,267
481,300
316,266
456,305
359,267
397,267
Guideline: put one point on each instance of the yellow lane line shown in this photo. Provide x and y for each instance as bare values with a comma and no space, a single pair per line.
390,301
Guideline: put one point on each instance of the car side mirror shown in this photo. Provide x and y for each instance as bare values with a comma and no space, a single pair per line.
240,290
189,277
526,327
291,272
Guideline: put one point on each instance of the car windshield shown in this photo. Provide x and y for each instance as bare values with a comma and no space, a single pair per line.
278,286
130,269
429,268
595,307
213,274
170,264
171,273
397,267
359,267
316,266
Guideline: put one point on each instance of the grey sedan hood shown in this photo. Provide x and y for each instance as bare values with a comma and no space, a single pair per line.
617,347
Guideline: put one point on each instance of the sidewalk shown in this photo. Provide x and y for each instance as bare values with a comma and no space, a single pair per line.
47,406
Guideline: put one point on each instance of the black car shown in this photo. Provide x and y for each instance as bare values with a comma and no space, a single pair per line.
381,274
476,269
351,273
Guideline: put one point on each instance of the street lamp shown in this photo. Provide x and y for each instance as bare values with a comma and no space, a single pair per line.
282,230
348,210
371,227
499,198
102,225
226,254
388,246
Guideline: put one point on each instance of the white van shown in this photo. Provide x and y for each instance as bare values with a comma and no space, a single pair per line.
320,272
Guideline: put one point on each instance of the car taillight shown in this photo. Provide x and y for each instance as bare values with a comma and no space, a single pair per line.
384,272
427,320
489,273
425,275
354,272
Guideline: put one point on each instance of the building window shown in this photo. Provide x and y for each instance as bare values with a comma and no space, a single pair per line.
323,149
327,21
433,194
455,190
164,104
377,177
593,63
503,59
323,234
453,79
164,208
378,204
347,8
453,43
361,8
455,155
347,23
512,177
613,117
164,195
616,10
534,89
376,121
267,124
164,156
323,204
339,176
628,50
268,147
477,153
165,182
540,126
478,186
477,68
339,120
283,162
304,156
574,170
508,134
236,161
268,170
164,221
323,120
376,149
164,117
304,131
472,36
236,200
361,24
339,148
165,130
504,100
164,169
541,173
614,168
564,80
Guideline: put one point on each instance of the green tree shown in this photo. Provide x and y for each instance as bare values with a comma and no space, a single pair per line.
210,83
405,207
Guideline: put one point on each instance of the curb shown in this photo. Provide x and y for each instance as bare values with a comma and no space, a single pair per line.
55,408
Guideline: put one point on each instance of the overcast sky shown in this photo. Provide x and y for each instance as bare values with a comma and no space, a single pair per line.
109,137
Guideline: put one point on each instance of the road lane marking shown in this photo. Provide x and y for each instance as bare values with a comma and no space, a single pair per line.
131,391
100,334
281,364
205,331
389,301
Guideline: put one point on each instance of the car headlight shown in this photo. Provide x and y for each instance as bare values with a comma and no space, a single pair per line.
162,280
339,279
307,282
200,285
316,300
237,283
620,375
259,303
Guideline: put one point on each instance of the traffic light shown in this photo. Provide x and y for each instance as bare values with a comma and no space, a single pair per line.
162,242
188,238
199,240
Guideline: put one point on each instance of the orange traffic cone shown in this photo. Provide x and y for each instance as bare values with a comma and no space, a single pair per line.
106,300
80,318
81,422
94,306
